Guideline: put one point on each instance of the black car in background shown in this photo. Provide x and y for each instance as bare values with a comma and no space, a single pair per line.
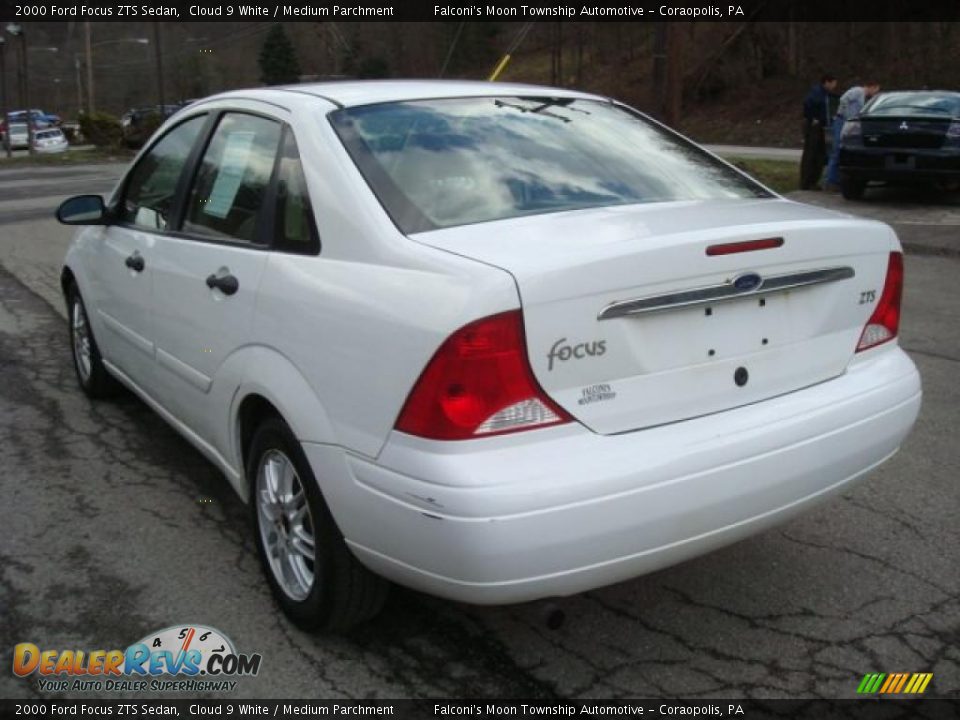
902,137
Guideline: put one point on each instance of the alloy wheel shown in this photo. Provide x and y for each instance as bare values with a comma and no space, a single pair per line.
286,525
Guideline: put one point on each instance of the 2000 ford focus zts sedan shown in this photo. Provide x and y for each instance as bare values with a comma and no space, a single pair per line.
494,342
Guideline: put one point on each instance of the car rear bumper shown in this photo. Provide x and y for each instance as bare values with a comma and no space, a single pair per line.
564,510
900,164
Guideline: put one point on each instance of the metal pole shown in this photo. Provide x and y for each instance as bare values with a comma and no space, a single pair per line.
26,93
16,52
156,43
76,64
90,105
3,92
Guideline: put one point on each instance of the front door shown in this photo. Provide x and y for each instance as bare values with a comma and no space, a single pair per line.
123,256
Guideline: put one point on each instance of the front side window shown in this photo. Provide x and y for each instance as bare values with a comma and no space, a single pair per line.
441,163
152,184
231,183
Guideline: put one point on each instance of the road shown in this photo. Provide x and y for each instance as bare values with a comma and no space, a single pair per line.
758,153
113,527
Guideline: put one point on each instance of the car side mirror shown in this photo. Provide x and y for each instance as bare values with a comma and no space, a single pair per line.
82,210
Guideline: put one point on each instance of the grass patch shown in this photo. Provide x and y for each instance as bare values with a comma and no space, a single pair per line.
74,156
780,175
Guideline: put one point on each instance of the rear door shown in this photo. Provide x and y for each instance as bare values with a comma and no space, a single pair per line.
206,275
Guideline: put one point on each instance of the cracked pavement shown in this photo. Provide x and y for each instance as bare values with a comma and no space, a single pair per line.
112,526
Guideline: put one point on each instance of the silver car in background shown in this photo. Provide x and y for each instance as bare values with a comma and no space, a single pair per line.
18,138
50,141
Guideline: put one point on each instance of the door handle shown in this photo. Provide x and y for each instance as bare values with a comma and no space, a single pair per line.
135,262
227,284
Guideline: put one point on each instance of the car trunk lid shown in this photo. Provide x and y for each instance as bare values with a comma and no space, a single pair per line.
904,132
631,323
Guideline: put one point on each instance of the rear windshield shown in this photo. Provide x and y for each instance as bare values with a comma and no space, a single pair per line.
442,163
49,134
917,103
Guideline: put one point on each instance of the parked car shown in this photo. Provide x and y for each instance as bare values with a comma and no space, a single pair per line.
40,119
18,138
139,124
493,342
50,140
902,137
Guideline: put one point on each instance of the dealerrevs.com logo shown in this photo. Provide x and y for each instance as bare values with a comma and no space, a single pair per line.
187,658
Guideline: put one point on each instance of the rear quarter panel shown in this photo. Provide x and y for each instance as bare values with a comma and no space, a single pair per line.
360,321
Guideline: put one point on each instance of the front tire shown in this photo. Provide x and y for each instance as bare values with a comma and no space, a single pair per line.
315,579
94,378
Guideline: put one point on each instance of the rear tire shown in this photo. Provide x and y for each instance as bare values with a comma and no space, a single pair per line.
315,579
852,188
94,378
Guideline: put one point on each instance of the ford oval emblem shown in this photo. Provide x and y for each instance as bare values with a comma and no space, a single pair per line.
747,282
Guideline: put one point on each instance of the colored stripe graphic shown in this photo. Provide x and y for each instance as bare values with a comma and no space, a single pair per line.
870,683
894,683
911,684
900,684
918,683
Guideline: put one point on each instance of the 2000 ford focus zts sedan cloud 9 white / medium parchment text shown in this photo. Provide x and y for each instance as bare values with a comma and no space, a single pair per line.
494,342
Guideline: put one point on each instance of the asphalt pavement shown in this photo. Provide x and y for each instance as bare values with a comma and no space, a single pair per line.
112,526
757,153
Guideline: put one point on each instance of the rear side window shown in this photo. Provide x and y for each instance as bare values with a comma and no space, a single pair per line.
151,187
294,229
231,183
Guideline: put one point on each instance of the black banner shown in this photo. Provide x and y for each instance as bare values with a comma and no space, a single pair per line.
871,709
480,10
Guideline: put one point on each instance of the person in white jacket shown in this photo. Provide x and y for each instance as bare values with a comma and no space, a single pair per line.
850,105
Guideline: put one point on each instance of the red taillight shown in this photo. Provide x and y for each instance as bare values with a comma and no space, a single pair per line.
885,321
479,383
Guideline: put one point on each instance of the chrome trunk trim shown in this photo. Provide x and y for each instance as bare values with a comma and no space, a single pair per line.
722,293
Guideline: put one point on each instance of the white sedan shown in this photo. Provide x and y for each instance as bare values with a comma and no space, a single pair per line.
50,141
493,342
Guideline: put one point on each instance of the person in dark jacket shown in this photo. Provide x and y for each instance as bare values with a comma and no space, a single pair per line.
816,118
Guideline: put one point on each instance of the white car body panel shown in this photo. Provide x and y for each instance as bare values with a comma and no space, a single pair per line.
335,342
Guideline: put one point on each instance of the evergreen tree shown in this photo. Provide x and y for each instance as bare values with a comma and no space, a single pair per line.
278,59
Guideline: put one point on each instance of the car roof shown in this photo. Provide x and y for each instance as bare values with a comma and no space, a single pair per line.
350,93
